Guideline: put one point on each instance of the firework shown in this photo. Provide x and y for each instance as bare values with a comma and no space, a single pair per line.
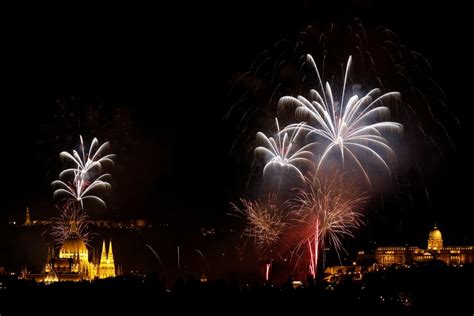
80,189
72,222
327,211
157,257
265,222
86,163
353,128
203,259
84,180
267,271
283,152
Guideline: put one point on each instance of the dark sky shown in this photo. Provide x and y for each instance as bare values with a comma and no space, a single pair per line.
164,78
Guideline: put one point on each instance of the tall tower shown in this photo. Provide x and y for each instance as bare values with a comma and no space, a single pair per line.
28,219
49,261
110,261
107,264
103,262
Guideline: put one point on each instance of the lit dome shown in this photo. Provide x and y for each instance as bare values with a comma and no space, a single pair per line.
435,234
435,239
73,247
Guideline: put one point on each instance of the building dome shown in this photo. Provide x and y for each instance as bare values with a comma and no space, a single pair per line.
74,247
435,234
435,239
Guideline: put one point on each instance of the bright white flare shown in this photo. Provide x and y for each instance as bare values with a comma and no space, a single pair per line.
282,151
85,163
83,181
354,128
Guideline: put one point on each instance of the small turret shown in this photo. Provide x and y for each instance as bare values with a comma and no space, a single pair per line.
28,218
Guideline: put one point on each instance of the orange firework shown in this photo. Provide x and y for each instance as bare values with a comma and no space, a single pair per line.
265,222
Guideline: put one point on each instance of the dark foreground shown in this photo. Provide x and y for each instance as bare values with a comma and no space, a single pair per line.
401,291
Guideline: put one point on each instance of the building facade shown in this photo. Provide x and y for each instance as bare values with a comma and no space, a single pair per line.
435,250
73,264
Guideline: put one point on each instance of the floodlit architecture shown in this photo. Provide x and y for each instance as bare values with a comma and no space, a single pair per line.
73,264
435,250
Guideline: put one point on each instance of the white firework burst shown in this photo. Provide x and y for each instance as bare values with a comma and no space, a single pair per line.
354,128
283,151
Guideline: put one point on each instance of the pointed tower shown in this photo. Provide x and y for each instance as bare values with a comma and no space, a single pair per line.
103,262
48,266
110,261
28,219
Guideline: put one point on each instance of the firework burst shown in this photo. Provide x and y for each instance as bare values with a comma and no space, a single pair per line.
77,184
353,128
326,212
81,189
265,222
283,152
72,222
83,181
86,163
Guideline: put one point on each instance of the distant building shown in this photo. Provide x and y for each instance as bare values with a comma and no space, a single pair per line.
73,263
136,224
435,250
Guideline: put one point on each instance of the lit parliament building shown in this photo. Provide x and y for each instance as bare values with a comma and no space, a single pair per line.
72,263
435,250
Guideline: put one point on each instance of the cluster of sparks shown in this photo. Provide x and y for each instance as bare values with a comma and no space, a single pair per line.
82,180
72,222
327,207
356,128
265,222
327,211
282,151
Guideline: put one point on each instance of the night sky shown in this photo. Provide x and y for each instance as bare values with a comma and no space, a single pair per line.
164,75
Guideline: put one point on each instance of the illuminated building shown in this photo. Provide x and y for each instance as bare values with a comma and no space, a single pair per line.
106,268
435,250
73,263
28,219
